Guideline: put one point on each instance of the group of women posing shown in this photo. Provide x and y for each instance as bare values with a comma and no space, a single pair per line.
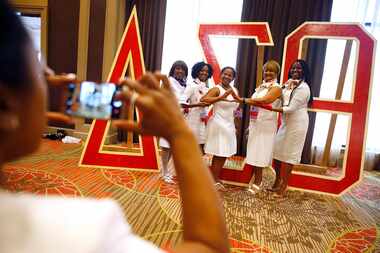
265,142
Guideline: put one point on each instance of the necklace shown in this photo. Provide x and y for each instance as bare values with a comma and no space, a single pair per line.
225,87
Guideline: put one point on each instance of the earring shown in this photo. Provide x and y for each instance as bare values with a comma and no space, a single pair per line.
14,122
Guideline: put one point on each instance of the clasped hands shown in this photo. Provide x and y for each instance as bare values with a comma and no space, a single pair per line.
238,99
228,92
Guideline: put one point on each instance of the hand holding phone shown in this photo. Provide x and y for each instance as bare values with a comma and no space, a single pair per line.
93,100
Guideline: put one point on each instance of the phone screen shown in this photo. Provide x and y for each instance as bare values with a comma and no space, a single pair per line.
93,100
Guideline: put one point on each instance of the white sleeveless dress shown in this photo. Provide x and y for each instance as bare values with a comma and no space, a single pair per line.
221,137
262,130
193,93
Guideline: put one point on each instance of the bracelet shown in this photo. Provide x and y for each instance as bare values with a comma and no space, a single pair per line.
243,101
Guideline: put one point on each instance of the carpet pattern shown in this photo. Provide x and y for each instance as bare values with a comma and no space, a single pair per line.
298,222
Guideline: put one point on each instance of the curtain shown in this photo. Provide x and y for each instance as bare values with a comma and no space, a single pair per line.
283,17
151,16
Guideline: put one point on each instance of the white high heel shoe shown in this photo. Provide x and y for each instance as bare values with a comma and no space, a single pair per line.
219,186
254,188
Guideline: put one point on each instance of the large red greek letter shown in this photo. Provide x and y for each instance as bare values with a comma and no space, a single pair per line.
129,54
358,107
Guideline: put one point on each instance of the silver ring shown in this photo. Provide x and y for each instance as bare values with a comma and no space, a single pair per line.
134,96
124,89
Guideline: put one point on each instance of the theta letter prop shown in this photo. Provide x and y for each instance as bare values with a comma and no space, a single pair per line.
358,107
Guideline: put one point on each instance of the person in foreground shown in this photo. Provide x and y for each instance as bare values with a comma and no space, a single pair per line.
38,224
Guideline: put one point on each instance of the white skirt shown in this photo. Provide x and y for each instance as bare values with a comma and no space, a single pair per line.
221,139
290,140
260,142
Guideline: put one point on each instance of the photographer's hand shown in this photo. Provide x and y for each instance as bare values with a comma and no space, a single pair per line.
161,115
62,80
204,230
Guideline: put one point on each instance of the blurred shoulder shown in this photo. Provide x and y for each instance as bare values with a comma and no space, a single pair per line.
44,223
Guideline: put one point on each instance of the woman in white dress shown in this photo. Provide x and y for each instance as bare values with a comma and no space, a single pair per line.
177,77
197,111
263,123
290,138
220,136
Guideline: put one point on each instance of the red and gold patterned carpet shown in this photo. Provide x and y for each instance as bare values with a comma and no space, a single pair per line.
299,222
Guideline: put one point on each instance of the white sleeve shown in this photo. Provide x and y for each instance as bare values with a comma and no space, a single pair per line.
299,99
118,238
61,225
189,91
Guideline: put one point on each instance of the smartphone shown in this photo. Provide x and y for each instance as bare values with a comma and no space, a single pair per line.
93,100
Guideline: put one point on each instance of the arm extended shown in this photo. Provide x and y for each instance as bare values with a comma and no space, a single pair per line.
213,96
270,97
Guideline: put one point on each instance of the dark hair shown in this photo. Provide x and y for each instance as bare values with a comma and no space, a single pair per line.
231,68
180,64
14,38
198,67
305,76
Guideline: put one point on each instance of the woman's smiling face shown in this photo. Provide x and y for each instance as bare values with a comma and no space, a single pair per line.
227,76
203,74
296,71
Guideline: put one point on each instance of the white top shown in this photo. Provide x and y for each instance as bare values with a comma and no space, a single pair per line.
295,99
178,90
224,110
291,136
221,138
262,129
264,114
37,224
194,91
195,117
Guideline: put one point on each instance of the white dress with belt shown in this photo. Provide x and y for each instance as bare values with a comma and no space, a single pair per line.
262,130
291,136
196,116
220,137
178,90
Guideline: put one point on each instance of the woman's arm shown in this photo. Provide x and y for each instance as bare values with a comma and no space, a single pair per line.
200,104
298,101
269,107
273,94
203,219
212,96
270,97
